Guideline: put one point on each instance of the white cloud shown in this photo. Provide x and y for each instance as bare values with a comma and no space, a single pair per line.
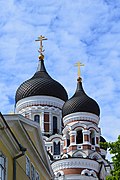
88,31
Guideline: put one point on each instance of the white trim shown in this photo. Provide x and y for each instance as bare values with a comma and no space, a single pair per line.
71,133
86,132
40,156
76,177
27,165
38,101
2,155
81,116
75,163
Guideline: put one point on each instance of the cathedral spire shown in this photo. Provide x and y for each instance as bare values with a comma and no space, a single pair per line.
41,50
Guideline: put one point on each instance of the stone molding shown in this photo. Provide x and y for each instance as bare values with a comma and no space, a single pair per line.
85,131
75,163
38,101
81,116
71,133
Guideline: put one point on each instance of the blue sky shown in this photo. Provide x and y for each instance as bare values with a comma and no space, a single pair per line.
80,30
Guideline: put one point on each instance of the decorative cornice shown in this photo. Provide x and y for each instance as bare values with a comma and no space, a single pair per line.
39,101
81,116
55,136
82,125
75,163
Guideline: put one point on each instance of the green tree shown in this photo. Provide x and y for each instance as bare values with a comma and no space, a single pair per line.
114,149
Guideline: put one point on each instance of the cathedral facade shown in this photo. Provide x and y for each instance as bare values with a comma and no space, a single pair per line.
51,136
70,127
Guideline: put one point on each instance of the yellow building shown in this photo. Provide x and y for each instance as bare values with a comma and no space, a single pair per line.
22,150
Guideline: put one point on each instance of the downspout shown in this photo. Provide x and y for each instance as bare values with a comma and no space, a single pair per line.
23,150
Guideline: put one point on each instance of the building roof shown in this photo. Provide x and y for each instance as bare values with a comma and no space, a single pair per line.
102,140
41,84
80,102
30,135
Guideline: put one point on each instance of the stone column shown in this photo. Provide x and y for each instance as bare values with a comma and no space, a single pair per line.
65,141
72,137
42,122
60,120
86,136
50,122
65,144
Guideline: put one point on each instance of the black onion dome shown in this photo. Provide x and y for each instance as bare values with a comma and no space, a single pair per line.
41,84
80,102
102,139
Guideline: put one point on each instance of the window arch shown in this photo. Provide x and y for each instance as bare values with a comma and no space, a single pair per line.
79,137
92,137
55,124
56,146
37,118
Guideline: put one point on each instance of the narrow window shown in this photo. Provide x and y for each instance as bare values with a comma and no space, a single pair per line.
55,130
37,177
56,148
27,166
37,118
32,172
68,142
2,167
68,139
92,137
79,137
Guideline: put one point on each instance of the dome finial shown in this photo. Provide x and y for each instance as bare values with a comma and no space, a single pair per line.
79,64
41,50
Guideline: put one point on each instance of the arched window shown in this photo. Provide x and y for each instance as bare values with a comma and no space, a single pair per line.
79,137
55,130
56,148
92,137
37,118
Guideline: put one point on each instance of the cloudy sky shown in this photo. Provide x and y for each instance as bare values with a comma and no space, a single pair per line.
81,30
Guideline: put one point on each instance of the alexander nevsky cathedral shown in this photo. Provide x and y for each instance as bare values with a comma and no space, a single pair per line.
69,126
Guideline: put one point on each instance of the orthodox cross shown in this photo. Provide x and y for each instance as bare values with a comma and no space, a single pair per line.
79,64
41,39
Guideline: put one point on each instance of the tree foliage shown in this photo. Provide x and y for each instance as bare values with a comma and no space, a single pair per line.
114,149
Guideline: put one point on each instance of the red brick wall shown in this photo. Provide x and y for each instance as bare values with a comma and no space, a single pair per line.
46,122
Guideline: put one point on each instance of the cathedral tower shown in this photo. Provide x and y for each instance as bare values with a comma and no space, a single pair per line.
70,127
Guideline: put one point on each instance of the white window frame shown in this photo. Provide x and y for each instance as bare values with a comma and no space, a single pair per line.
3,167
32,172
37,176
28,166
37,115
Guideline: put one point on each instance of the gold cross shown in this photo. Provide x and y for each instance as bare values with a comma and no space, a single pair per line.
79,64
41,38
